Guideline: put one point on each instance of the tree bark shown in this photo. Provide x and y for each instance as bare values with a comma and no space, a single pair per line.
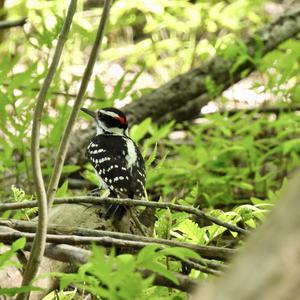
268,266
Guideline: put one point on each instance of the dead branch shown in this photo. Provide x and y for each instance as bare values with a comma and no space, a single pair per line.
106,241
26,226
129,202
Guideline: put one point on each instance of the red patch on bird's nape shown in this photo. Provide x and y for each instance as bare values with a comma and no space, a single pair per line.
122,120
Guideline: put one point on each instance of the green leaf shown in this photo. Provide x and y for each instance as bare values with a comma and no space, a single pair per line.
18,244
162,270
118,87
138,131
244,185
180,252
192,231
62,191
129,87
70,168
147,253
99,90
152,157
91,177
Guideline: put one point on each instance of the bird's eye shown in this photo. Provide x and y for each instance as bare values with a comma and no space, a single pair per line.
100,114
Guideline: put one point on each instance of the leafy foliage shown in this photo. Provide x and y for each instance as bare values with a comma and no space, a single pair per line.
116,277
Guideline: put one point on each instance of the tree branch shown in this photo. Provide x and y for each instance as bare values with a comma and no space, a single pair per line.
129,202
208,252
36,254
64,143
205,251
15,23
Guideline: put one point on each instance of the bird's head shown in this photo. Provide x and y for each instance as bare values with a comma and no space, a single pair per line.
109,120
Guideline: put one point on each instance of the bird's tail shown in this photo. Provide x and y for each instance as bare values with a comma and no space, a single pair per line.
115,212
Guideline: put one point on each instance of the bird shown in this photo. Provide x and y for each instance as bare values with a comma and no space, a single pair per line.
118,162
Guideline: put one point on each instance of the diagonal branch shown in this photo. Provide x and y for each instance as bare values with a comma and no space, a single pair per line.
64,143
40,238
186,94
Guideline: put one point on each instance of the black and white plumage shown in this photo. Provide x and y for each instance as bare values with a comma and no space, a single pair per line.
118,162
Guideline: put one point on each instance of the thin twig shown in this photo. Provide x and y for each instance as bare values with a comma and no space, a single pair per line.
201,268
137,222
64,143
38,247
129,202
205,251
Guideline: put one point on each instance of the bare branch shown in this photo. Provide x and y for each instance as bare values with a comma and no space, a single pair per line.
129,202
64,143
40,237
208,252
205,251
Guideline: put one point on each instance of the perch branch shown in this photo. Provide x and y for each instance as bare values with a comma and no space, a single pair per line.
38,247
129,202
64,143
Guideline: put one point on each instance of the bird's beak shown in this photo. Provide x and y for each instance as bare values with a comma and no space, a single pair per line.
89,112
